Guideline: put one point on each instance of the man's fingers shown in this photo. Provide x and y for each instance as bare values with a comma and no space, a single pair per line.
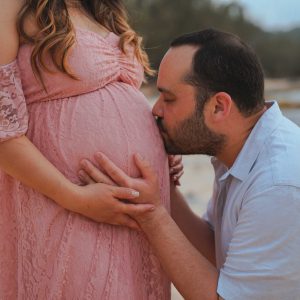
174,160
176,169
177,175
129,211
85,178
115,173
177,159
177,182
94,173
144,167
171,159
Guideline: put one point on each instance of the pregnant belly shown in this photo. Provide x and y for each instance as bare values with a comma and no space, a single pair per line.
116,121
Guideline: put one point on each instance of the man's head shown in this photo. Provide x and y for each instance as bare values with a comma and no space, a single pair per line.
205,80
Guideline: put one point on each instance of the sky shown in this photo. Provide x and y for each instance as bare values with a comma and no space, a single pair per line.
272,15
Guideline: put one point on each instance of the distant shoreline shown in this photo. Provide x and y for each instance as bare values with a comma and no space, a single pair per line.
289,105
273,87
281,84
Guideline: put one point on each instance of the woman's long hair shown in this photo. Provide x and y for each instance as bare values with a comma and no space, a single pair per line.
56,35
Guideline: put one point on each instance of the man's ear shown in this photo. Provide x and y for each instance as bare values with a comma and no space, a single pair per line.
219,106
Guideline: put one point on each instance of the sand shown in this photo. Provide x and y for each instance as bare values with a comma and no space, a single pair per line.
196,185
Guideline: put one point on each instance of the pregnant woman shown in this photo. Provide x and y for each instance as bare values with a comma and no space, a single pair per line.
69,78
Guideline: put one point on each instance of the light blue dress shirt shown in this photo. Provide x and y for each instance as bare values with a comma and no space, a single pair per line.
255,212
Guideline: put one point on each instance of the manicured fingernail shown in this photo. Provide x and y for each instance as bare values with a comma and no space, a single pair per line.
80,174
135,193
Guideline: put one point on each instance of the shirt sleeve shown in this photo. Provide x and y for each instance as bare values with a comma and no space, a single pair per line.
263,260
13,111
208,215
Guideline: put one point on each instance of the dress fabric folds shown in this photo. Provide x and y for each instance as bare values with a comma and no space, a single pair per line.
47,252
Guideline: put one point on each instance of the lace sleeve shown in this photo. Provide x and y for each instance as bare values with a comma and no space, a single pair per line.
13,112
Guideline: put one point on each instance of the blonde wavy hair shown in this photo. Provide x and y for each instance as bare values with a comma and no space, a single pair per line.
56,34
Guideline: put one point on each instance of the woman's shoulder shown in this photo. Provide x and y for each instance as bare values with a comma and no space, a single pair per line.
10,9
8,30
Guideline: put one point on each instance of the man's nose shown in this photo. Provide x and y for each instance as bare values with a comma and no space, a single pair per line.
157,109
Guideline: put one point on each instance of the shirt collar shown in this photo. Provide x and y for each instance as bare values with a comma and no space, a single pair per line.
267,123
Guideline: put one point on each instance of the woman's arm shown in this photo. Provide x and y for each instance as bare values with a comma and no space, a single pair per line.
23,161
20,159
8,31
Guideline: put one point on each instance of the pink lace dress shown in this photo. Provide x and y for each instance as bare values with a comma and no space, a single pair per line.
47,252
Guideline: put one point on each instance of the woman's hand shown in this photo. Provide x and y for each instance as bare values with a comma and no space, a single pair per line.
101,203
176,168
147,186
175,164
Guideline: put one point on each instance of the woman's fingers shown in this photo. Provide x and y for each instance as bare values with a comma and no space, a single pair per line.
125,193
94,173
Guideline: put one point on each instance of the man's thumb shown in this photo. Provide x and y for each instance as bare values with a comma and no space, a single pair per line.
136,210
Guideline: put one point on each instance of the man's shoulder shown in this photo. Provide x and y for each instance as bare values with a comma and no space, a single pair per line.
279,160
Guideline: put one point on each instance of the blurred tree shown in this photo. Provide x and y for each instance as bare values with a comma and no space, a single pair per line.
160,21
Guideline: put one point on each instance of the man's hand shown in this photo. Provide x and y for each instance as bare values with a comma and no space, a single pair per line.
103,201
176,168
182,262
147,186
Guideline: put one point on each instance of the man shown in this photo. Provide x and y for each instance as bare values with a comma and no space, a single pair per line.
247,245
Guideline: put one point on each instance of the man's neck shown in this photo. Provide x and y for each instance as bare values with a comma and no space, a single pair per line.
235,141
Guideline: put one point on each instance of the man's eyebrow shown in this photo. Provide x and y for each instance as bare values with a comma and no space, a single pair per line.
164,90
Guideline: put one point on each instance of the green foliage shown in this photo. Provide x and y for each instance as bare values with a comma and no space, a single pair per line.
160,21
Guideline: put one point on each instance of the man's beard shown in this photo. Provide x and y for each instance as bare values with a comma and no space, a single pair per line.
191,136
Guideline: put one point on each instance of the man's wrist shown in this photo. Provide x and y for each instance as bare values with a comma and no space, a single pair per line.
153,218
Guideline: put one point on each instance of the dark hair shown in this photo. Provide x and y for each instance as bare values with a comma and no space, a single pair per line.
224,63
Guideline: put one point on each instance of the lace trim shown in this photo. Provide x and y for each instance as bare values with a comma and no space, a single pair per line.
13,111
